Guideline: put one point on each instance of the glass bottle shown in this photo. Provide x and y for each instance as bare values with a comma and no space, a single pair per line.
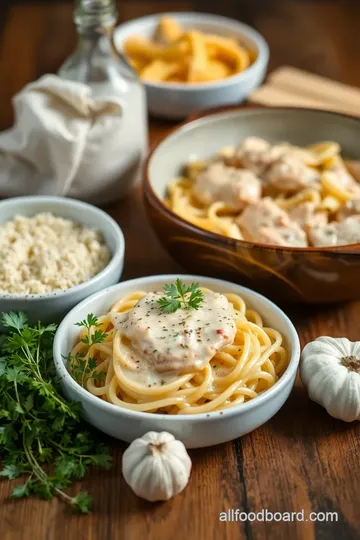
97,63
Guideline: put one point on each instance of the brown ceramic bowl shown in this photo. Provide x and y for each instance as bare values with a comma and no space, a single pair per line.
307,275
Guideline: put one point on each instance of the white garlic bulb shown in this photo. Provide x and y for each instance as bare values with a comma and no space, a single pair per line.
156,466
330,369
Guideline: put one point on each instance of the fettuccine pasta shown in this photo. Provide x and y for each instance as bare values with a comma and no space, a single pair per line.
272,193
246,360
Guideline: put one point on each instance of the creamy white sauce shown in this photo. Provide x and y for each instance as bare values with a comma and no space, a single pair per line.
163,345
337,234
266,222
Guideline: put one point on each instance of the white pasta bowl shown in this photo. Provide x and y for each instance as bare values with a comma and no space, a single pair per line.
51,307
195,430
178,100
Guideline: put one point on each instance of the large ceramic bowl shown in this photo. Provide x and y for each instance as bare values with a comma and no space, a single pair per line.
311,275
196,430
53,306
179,100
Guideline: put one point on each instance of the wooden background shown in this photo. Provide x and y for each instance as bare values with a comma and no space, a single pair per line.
302,459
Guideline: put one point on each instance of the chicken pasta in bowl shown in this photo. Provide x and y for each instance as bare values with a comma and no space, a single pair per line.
277,194
205,235
183,350
203,392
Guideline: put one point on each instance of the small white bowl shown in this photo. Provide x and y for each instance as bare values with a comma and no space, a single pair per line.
195,431
177,100
53,306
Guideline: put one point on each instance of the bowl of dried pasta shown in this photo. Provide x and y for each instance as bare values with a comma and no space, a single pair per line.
268,198
193,61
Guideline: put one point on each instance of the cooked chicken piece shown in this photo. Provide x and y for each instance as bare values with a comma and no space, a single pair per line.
350,208
306,215
323,236
349,231
235,187
289,173
282,236
253,145
337,234
267,223
256,154
181,341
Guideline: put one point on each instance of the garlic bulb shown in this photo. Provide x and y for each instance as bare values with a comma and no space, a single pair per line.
156,466
330,369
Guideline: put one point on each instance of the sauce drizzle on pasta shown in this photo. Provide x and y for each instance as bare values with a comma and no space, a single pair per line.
245,365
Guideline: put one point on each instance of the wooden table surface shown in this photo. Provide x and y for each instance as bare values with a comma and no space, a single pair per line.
302,460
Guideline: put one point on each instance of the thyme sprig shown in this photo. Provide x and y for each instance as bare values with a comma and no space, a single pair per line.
82,366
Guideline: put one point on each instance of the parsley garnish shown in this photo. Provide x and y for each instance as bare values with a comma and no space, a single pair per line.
41,434
82,366
178,295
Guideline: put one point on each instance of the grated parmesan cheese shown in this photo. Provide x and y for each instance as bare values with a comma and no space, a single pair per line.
45,253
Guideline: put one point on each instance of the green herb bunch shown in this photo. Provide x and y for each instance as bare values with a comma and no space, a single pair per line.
178,295
41,434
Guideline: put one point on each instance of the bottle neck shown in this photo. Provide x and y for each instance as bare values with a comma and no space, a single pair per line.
95,17
96,55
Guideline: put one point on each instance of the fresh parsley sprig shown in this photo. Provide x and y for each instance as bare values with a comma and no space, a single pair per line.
82,366
178,295
41,434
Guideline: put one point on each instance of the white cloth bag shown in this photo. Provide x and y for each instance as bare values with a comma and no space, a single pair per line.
65,142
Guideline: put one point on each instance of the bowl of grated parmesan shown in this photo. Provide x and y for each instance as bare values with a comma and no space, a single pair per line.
54,252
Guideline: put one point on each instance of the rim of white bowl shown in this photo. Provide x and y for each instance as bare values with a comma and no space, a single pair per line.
248,31
116,258
243,407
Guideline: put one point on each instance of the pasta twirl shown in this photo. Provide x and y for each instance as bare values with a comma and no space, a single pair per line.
246,366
